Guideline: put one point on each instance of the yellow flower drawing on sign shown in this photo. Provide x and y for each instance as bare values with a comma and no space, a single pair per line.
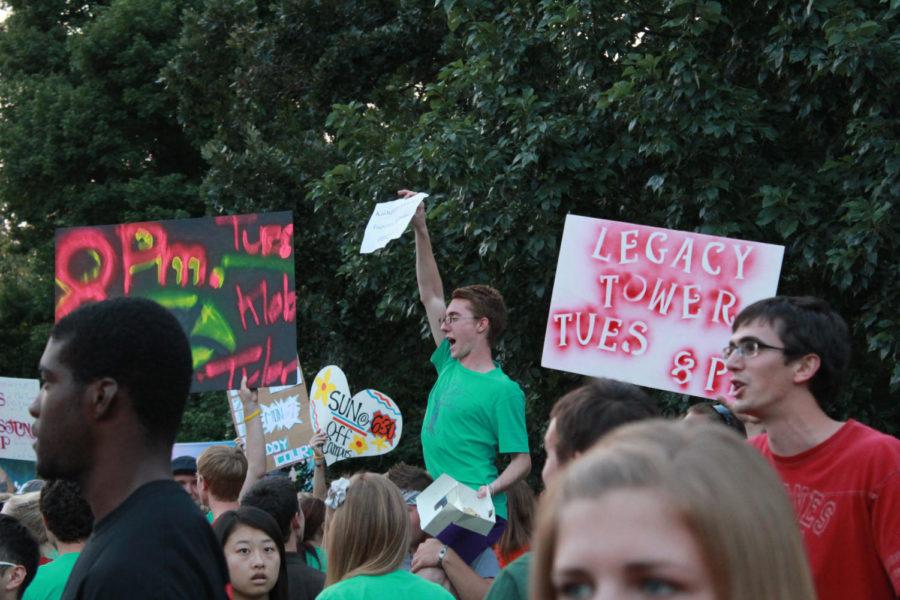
323,388
380,443
359,444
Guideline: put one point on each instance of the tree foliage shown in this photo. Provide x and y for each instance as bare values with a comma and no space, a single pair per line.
766,120
88,135
763,120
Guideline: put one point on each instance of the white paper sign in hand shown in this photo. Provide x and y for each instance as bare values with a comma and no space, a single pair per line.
388,222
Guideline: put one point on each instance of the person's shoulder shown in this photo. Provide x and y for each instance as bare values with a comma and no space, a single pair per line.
512,582
867,443
149,586
311,580
867,436
421,588
158,502
399,582
168,508
160,529
503,383
46,584
518,568
523,563
339,590
152,572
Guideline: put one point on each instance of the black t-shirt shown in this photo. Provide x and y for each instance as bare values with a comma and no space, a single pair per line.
304,582
154,545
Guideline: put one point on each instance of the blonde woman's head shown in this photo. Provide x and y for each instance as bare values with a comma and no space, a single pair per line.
690,509
366,531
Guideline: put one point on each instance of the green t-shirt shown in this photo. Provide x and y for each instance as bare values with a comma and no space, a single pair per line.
512,582
318,561
50,579
397,584
471,416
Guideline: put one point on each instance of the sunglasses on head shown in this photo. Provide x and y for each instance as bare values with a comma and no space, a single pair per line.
725,414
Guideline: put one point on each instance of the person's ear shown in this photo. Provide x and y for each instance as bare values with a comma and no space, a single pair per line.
806,367
102,393
13,578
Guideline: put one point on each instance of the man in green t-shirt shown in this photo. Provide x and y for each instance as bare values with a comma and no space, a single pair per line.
474,410
69,523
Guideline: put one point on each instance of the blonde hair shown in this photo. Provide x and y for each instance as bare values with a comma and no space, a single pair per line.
369,532
224,469
26,509
727,495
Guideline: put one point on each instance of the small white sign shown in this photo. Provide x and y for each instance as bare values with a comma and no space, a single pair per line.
16,436
388,222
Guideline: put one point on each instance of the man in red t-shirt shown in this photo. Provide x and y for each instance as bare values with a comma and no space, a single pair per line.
787,357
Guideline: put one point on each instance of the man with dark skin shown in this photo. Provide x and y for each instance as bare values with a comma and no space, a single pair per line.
114,380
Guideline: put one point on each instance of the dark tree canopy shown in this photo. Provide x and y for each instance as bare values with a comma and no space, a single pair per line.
767,120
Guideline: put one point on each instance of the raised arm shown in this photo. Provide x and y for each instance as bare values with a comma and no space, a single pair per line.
320,486
256,443
431,288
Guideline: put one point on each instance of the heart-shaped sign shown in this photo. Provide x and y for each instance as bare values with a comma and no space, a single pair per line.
367,424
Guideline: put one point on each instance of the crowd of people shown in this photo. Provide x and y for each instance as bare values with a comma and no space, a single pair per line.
765,496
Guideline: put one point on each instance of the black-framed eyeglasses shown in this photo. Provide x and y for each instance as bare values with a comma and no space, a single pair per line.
748,348
451,319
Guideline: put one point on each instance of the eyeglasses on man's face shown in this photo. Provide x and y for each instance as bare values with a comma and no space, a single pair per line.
748,348
451,319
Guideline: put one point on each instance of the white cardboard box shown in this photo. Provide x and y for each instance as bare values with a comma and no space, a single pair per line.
447,501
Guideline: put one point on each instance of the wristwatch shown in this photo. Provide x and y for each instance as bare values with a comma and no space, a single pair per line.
441,554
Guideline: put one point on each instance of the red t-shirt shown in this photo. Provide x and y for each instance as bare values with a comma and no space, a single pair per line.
846,492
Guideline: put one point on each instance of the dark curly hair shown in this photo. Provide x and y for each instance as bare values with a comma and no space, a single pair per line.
68,515
142,346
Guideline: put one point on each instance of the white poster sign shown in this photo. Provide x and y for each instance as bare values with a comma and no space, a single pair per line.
652,306
368,423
